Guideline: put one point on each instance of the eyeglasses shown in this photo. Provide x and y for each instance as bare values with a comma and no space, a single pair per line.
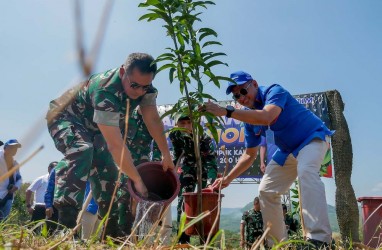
242,92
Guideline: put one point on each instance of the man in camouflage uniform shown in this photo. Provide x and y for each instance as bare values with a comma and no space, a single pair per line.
290,222
252,225
139,142
98,110
182,141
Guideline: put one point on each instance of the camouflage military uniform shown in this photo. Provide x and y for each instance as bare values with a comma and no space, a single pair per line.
291,224
75,133
253,225
139,143
182,141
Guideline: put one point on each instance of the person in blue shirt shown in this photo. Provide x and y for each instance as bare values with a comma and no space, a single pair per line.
51,213
267,150
302,140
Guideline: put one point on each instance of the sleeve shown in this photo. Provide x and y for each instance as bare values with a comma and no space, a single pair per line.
209,161
35,185
252,134
177,144
263,142
149,99
19,179
49,193
276,95
244,218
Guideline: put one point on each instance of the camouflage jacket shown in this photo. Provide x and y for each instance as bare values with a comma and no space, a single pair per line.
102,99
139,140
253,221
291,223
182,141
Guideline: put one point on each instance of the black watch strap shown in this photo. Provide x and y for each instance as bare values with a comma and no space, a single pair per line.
230,110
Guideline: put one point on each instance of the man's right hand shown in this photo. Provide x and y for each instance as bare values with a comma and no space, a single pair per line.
141,188
30,210
262,167
224,183
49,212
242,243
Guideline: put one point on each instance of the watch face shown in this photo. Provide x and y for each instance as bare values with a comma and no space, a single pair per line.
230,108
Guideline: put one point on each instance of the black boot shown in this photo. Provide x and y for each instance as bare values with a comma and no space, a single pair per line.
184,238
67,216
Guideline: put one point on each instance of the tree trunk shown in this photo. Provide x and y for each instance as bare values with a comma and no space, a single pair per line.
346,203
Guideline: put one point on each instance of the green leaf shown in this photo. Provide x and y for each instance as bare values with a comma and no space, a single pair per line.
152,2
169,65
211,55
206,32
211,43
216,236
171,74
149,16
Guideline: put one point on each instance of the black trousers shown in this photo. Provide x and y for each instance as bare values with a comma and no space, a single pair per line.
38,213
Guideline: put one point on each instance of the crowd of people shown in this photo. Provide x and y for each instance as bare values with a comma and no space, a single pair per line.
89,131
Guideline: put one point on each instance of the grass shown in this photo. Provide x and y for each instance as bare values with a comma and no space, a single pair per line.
14,236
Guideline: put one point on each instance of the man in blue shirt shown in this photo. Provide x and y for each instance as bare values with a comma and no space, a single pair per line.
302,140
268,150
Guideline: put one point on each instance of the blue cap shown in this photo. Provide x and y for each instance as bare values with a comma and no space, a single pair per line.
12,142
240,77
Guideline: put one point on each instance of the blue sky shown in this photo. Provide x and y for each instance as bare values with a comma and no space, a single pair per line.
307,46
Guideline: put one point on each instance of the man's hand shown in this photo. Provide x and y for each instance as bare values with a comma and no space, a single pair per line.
216,184
262,167
49,212
141,188
214,109
13,189
167,163
242,243
30,210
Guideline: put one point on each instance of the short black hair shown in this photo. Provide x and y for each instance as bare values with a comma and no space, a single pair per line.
1,143
53,164
144,62
256,200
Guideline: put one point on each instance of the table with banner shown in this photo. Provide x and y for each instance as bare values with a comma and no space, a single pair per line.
233,137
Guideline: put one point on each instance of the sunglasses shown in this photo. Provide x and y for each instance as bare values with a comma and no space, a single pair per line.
242,92
135,85
145,88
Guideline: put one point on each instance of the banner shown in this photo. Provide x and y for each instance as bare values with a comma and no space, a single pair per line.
233,136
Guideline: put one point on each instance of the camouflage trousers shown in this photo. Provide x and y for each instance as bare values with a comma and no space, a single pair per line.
126,219
85,157
188,182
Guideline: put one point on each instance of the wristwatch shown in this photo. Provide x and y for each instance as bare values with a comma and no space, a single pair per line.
230,109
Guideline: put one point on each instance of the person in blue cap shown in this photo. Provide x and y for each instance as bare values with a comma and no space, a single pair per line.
9,186
302,140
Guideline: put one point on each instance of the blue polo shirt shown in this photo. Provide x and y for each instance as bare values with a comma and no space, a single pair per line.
293,129
271,148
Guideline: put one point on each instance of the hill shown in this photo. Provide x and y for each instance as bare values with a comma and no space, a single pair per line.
230,218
